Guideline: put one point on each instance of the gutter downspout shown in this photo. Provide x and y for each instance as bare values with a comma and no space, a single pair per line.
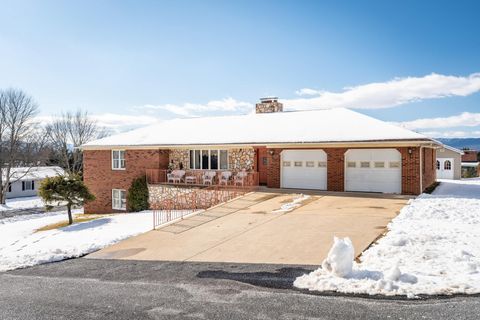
421,169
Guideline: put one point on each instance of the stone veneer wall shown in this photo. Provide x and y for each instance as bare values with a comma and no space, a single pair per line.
178,156
239,159
159,193
186,197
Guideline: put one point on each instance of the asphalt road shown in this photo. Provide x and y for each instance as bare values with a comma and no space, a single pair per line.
108,289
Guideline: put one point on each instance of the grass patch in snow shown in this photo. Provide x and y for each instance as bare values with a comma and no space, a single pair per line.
76,219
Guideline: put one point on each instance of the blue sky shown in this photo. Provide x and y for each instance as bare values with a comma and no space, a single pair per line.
132,62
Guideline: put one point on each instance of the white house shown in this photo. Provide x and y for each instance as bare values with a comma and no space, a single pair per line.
449,163
26,181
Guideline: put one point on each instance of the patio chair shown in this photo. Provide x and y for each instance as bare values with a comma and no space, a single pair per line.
191,178
208,177
239,178
177,176
170,177
225,177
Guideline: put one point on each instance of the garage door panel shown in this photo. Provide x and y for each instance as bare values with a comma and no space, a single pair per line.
306,177
379,176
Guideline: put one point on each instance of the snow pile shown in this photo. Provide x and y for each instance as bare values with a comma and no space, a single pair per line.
297,202
22,203
340,258
432,247
21,246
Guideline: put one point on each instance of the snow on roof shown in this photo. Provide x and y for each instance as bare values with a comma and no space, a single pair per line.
34,173
470,164
316,126
451,148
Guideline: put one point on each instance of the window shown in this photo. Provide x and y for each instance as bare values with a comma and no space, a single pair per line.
223,159
214,159
28,185
438,165
379,164
394,164
322,164
364,164
310,164
447,165
351,164
209,159
265,161
286,163
119,201
118,159
9,187
298,163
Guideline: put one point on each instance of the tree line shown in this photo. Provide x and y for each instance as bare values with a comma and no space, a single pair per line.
27,143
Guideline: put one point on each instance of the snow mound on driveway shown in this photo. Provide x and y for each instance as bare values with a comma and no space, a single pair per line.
432,247
340,258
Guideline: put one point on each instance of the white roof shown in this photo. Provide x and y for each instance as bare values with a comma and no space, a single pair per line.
34,173
451,148
470,164
316,126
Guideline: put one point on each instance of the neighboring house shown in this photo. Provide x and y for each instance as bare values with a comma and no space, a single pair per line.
470,164
24,181
335,150
449,163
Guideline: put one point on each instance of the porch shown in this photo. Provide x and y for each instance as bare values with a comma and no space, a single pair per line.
202,178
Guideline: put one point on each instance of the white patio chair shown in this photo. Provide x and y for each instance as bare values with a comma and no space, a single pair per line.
208,177
239,178
225,177
178,175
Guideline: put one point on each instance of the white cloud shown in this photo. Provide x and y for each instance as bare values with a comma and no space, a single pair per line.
465,119
112,121
388,94
308,92
194,109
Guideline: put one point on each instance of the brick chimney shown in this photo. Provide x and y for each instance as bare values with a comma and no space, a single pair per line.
268,105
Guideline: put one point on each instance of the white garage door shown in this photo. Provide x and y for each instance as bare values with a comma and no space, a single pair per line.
304,169
373,170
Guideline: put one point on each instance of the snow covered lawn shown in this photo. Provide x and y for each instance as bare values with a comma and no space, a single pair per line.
432,247
21,246
22,203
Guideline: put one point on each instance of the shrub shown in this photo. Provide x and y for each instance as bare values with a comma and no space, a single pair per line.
137,197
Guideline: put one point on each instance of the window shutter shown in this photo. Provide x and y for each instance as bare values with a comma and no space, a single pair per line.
23,185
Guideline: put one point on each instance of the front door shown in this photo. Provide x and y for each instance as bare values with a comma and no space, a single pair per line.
262,165
445,168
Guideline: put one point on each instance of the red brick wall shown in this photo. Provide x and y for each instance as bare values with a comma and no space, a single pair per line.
429,174
101,179
410,170
336,169
273,172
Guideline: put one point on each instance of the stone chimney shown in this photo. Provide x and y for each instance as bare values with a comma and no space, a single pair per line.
268,105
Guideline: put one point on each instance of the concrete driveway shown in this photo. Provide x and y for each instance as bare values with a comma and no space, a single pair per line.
248,230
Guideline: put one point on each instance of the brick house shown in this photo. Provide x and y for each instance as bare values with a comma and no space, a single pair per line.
332,149
470,164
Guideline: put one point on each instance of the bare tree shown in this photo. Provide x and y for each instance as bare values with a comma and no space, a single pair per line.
67,133
21,142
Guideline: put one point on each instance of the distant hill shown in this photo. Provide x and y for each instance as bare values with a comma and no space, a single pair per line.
460,143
